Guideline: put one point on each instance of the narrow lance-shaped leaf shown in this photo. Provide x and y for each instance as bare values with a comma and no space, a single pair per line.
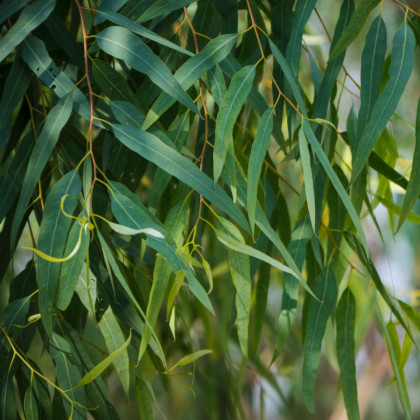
30,18
8,8
318,313
70,269
101,366
41,152
162,7
123,44
240,271
345,319
35,55
236,94
190,358
107,6
139,30
213,53
413,187
373,58
301,234
153,149
402,58
30,405
16,84
67,377
52,240
144,400
335,181
359,18
256,159
114,339
307,176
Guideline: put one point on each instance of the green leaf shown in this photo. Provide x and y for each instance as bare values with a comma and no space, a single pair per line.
235,245
153,149
123,44
114,339
41,152
116,270
162,7
217,84
303,11
144,400
140,30
214,52
319,311
240,271
345,319
301,235
16,85
373,58
7,399
357,21
30,405
52,240
8,8
128,213
413,188
31,17
68,377
108,6
256,159
101,366
394,352
12,173
402,57
335,181
35,55
235,97
70,269
307,176
190,358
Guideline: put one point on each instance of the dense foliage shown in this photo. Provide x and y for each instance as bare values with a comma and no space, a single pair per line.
173,170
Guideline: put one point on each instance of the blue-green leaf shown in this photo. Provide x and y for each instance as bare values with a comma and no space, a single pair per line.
345,319
8,8
153,149
107,6
402,58
214,52
123,44
353,29
41,152
52,240
68,376
373,58
162,7
31,17
256,159
140,30
235,97
318,313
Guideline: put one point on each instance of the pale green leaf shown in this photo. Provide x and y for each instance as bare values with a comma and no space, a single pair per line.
101,366
114,339
307,176
190,358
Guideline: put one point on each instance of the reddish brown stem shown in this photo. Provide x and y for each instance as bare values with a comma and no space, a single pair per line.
92,114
